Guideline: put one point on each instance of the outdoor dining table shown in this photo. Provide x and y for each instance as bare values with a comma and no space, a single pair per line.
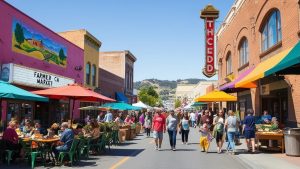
45,145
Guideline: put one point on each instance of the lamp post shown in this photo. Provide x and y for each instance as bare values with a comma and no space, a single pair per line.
209,14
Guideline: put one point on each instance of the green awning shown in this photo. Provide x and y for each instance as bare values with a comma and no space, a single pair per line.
9,91
196,104
121,106
290,60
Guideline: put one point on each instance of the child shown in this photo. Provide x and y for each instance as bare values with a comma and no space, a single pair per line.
205,138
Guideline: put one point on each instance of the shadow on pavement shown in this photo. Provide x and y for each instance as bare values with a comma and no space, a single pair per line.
124,152
126,144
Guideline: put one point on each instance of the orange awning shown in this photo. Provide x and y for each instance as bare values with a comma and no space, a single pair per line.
216,96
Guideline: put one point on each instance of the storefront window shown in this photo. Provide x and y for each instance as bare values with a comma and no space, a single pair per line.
88,73
228,64
243,52
271,32
18,111
94,75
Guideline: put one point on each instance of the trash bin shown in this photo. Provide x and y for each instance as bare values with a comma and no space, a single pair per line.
292,141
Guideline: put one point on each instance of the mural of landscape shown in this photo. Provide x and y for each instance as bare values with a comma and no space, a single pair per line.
27,41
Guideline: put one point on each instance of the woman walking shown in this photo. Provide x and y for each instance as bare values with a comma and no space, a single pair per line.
184,128
172,123
218,132
249,130
231,124
147,124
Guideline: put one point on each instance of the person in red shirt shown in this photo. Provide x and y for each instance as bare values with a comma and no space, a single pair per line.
10,139
159,127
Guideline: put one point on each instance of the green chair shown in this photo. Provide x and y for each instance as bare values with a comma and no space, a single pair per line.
31,153
85,149
8,156
71,153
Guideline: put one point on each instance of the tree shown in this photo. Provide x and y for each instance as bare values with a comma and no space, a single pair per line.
61,54
149,96
177,103
19,34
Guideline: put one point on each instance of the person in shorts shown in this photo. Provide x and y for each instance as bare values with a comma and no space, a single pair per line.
249,130
159,127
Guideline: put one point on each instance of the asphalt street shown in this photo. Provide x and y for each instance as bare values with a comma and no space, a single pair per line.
140,153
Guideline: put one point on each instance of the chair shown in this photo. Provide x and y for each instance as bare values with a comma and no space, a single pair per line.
32,151
71,153
8,156
85,149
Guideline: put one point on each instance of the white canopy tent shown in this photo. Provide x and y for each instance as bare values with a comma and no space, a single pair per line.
189,106
142,105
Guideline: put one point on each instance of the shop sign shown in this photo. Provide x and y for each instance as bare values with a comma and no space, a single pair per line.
265,89
21,75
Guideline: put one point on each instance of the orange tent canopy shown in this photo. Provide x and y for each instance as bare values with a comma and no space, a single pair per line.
73,91
216,96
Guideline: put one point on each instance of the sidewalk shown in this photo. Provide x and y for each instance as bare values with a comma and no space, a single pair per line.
262,160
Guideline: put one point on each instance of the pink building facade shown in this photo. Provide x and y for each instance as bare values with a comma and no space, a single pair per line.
34,57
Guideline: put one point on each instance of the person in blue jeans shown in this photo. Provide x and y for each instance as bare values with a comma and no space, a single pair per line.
171,124
66,139
249,130
232,124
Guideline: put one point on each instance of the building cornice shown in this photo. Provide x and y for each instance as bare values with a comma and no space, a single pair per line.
230,15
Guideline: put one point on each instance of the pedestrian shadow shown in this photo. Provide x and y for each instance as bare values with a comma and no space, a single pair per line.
194,143
124,152
180,149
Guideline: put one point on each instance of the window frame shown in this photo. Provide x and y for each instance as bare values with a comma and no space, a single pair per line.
94,74
266,38
243,52
88,73
229,57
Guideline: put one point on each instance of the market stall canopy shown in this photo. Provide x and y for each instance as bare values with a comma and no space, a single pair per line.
141,105
9,91
121,106
289,64
216,96
231,85
197,104
94,108
73,91
260,70
189,106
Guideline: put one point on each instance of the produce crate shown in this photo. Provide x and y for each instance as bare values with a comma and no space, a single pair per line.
122,135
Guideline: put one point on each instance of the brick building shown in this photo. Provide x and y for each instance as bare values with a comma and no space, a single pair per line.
254,34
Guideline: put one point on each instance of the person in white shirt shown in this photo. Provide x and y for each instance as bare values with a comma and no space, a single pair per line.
193,119
108,117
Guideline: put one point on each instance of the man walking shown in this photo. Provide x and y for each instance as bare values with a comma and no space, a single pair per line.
159,127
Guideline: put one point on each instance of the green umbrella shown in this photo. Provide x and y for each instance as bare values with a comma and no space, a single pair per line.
9,91
121,106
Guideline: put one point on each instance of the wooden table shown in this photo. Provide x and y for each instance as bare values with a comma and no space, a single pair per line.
270,136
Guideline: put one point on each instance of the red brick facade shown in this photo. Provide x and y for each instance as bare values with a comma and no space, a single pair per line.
247,19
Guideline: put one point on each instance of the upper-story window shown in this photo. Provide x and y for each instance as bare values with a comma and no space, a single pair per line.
228,64
271,31
243,52
94,73
88,73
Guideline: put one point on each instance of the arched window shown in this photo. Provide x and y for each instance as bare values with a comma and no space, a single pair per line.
94,73
243,52
228,64
88,73
271,31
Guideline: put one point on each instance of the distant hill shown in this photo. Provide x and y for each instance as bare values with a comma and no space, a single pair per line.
165,88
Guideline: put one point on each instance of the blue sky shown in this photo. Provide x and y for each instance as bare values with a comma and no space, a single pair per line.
166,36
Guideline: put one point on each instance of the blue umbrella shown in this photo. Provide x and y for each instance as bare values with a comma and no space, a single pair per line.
9,91
121,106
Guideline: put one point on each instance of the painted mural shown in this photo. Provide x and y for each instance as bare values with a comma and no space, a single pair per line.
28,41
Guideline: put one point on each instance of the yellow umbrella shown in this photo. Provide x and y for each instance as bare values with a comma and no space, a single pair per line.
216,96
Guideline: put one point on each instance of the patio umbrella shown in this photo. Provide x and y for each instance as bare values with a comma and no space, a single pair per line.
142,105
9,91
94,108
216,96
121,106
73,92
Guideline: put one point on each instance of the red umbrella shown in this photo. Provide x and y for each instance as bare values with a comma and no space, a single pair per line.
74,92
